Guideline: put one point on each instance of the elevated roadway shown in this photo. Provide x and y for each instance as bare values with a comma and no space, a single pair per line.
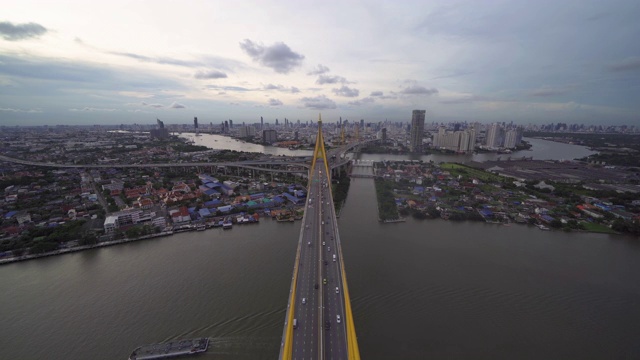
319,323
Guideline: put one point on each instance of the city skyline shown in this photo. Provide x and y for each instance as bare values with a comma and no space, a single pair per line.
121,62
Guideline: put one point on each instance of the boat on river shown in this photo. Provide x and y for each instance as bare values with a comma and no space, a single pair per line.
170,349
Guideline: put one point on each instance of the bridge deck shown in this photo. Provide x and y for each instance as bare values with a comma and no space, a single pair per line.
319,323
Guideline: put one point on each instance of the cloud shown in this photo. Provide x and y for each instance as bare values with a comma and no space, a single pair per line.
210,74
376,93
137,94
327,79
11,32
628,64
366,100
319,70
418,90
346,91
92,109
152,105
464,99
21,110
318,102
548,91
227,88
275,102
176,105
282,88
278,56
158,60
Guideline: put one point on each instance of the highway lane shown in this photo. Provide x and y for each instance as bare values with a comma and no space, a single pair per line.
311,338
318,312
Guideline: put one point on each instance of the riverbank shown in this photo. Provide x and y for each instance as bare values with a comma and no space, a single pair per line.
216,223
82,248
487,193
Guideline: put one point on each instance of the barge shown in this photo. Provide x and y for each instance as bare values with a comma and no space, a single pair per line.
170,349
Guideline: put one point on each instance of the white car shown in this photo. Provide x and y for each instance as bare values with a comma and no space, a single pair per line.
338,318
304,300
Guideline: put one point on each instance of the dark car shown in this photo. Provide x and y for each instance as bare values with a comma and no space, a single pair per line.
316,286
327,325
326,262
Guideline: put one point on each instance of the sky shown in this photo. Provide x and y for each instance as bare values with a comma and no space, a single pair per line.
126,62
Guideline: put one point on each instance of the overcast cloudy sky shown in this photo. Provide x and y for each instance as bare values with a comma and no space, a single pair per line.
536,61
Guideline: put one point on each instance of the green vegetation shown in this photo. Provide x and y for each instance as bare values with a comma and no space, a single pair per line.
180,147
387,209
598,228
340,191
456,169
43,239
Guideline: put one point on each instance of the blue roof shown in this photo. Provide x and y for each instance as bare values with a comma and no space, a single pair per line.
546,218
10,214
291,197
486,212
211,192
204,212
213,203
256,196
192,210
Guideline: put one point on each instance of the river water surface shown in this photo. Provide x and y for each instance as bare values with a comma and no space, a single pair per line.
420,290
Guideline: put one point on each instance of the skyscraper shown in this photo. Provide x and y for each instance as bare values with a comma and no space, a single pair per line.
269,136
417,128
495,137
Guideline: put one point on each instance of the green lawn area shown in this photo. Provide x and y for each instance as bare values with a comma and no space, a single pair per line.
466,171
599,228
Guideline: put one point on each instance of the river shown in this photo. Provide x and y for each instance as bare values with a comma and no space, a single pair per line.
540,150
220,142
420,289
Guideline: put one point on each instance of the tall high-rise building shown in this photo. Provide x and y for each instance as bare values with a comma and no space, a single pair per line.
261,123
230,124
269,136
512,138
195,122
417,128
247,131
161,132
494,136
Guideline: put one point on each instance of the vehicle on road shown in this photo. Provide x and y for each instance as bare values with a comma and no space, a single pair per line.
337,290
324,281
304,301
316,286
334,257
327,325
338,318
295,323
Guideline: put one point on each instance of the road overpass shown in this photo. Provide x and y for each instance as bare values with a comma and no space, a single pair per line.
319,322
